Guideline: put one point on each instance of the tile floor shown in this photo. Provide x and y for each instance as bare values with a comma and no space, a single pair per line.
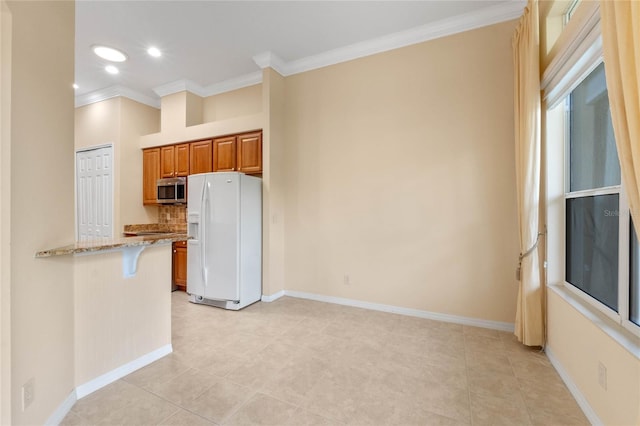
300,362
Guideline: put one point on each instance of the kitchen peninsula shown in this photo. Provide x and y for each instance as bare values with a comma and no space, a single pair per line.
107,244
122,321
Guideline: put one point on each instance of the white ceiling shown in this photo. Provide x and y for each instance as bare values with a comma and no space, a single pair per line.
212,44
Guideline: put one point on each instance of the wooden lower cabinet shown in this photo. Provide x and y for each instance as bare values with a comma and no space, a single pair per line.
179,269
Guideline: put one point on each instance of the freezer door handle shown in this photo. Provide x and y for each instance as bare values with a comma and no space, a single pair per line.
204,200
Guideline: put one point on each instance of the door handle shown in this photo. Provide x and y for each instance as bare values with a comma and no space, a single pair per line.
203,218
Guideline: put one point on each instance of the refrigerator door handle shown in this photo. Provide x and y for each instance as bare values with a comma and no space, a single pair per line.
204,200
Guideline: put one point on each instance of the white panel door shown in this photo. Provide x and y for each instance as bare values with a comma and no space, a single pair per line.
94,193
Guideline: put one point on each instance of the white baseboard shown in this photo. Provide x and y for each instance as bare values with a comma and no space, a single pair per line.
495,325
118,373
272,297
573,388
64,408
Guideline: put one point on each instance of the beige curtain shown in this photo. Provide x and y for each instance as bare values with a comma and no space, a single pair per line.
620,21
530,318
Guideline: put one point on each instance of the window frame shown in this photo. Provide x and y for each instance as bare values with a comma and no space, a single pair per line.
621,317
568,14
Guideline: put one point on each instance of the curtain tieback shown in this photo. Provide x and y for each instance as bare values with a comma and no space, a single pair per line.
525,254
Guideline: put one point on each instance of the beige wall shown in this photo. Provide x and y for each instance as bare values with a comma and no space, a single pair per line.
5,214
120,319
97,124
137,119
236,103
579,345
400,173
193,113
41,204
273,182
173,112
224,114
121,122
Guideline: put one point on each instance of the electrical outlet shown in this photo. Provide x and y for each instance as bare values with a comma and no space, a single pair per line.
602,375
28,393
347,280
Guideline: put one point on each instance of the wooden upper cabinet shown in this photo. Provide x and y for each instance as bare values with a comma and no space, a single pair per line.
150,175
249,148
174,160
241,153
167,161
181,161
224,154
201,157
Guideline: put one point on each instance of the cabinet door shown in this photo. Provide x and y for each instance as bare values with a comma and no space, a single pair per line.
181,163
224,154
179,270
250,153
167,157
150,175
200,157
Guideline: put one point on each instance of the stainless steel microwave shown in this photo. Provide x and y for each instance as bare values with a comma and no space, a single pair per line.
172,191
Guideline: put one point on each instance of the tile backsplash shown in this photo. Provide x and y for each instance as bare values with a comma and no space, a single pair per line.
175,215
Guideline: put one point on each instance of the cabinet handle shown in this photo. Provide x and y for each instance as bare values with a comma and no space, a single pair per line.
175,251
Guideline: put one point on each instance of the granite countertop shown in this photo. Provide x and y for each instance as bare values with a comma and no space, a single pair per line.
149,228
98,245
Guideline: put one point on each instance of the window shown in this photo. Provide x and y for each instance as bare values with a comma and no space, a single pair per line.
570,11
634,276
602,253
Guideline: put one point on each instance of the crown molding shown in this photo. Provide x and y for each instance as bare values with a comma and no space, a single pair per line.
179,86
445,27
505,11
233,84
270,60
114,92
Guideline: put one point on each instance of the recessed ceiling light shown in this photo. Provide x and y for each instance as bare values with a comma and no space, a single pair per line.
154,51
75,86
111,69
109,53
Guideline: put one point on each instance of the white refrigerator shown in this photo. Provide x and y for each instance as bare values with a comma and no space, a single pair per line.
224,254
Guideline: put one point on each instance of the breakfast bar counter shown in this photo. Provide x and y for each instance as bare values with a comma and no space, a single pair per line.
108,244
122,304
